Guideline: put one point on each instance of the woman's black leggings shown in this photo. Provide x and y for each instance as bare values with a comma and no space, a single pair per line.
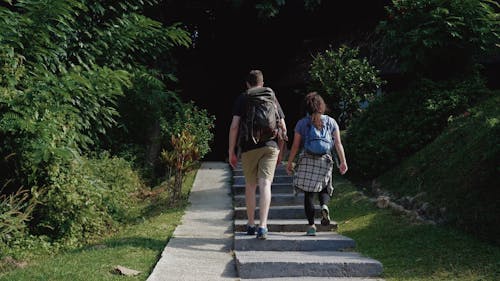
324,198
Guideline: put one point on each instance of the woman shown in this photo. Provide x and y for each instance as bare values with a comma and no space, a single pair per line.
314,170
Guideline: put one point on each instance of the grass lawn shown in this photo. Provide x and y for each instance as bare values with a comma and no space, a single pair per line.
410,250
136,246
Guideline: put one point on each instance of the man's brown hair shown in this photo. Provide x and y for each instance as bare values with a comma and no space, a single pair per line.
255,78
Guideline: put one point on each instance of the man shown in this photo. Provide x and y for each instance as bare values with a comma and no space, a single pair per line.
259,159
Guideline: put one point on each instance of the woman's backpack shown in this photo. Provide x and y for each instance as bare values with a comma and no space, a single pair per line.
318,141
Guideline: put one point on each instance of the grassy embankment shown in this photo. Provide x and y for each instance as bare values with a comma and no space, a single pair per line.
457,171
410,250
137,246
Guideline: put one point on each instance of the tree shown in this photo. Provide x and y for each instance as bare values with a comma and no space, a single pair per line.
436,38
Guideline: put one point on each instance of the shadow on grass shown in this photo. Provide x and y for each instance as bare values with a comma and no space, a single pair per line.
410,250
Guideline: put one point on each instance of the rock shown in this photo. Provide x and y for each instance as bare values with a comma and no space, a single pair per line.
126,271
376,187
383,202
13,262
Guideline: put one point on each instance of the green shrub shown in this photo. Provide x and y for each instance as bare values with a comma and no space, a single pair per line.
396,125
86,199
440,37
198,122
458,171
344,80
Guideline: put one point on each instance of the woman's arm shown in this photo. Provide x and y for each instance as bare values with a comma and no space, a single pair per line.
340,152
293,152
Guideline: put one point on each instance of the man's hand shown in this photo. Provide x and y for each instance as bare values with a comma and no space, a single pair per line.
233,160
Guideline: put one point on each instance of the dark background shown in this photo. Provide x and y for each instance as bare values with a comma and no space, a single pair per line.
230,41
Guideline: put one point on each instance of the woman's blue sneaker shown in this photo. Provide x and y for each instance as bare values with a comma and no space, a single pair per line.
262,233
250,229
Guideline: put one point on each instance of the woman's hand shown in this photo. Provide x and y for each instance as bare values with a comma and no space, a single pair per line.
343,168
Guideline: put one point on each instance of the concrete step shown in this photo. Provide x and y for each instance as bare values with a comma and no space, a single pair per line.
293,241
288,225
278,212
275,188
303,278
277,179
268,264
277,199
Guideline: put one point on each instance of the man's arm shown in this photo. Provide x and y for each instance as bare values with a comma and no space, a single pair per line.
233,135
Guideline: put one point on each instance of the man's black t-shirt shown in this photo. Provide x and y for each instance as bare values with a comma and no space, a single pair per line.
239,110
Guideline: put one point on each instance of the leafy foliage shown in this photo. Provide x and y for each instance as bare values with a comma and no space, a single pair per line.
198,122
344,80
439,37
66,68
397,125
181,159
86,199
270,8
15,212
461,177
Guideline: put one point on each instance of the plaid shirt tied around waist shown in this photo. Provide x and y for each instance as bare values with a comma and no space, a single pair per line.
313,173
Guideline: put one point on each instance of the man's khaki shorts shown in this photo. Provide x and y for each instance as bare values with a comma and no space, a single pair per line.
259,163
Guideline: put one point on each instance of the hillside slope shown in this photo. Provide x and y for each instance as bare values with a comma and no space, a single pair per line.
457,174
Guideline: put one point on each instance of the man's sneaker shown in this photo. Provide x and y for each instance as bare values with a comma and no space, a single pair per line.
251,229
262,233
311,231
325,216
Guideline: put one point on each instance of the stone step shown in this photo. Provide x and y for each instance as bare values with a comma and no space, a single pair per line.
240,180
288,225
268,264
275,188
278,212
293,241
277,199
304,278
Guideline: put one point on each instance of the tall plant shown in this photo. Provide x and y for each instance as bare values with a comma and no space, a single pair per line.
440,37
345,80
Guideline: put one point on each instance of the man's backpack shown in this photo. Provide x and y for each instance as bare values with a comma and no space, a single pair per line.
260,122
318,141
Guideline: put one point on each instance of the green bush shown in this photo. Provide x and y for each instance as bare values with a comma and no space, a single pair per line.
458,171
198,122
344,80
440,37
396,125
86,199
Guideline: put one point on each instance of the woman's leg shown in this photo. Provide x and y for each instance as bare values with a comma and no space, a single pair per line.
324,198
309,206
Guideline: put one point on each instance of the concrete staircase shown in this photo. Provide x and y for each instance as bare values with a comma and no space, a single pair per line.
287,254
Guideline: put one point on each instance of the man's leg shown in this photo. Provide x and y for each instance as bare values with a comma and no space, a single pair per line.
267,166
249,162
264,201
250,190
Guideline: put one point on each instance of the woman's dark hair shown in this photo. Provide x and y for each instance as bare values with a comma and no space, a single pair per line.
315,106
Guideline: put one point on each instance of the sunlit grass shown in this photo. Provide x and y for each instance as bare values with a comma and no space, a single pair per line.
410,250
